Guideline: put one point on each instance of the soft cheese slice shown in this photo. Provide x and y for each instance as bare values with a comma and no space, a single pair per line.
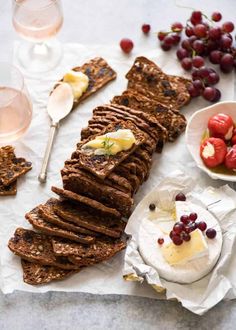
181,254
78,81
112,143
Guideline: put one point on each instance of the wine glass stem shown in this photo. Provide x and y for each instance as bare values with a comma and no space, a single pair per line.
40,49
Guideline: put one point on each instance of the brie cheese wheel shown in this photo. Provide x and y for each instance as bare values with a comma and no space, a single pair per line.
194,265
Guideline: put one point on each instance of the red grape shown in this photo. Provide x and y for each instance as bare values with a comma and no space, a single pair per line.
195,74
176,38
200,30
227,63
211,233
196,17
198,61
201,225
214,33
184,219
161,35
216,16
209,93
189,31
217,96
146,28
193,91
171,234
198,46
178,227
215,56
186,237
160,241
204,72
192,39
213,78
168,40
182,53
165,47
198,85
225,42
193,216
177,27
228,27
186,63
180,197
177,240
126,45
186,44
152,207
192,226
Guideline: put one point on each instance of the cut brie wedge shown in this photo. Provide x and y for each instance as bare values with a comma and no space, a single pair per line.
188,251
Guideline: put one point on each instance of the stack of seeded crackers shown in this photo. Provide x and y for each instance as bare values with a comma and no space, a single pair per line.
85,224
11,168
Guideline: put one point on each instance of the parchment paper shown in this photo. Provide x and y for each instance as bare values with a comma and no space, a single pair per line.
105,278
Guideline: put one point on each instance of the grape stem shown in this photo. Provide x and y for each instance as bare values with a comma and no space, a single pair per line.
181,6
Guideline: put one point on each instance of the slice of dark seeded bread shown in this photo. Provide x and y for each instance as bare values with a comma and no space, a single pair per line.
89,203
47,228
172,120
80,255
36,274
46,211
99,73
109,196
146,78
73,214
36,247
102,165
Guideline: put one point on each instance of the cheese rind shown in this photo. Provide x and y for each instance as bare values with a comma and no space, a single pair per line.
191,250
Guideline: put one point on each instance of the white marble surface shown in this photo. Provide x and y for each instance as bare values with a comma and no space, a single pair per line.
106,22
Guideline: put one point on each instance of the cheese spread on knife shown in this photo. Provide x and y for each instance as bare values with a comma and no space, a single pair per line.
78,81
184,263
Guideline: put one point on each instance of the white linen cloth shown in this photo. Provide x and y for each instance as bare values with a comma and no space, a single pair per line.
105,278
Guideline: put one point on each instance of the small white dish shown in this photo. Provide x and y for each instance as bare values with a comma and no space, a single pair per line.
196,127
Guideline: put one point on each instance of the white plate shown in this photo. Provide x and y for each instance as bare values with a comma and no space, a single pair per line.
197,125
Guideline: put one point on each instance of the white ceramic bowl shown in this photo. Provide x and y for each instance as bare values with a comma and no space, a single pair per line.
197,125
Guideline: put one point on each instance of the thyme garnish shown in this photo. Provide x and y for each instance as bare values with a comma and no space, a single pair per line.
107,144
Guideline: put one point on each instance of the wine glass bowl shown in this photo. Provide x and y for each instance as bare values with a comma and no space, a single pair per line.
38,22
15,105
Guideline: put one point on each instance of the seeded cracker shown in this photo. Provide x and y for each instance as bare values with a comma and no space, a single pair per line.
99,74
11,167
103,165
36,247
35,274
48,228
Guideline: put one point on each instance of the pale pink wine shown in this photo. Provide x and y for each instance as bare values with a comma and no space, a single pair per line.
15,114
37,22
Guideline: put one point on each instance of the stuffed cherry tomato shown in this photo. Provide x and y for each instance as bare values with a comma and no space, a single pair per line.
230,158
213,151
221,126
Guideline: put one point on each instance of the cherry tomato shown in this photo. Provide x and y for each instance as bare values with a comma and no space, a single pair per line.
230,158
221,126
213,151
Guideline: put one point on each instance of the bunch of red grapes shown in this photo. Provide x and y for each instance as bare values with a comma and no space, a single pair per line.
204,40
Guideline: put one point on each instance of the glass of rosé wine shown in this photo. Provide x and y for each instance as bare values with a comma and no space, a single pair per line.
15,105
38,22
